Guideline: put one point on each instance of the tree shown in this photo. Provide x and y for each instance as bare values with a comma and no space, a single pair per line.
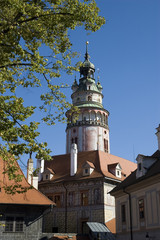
27,26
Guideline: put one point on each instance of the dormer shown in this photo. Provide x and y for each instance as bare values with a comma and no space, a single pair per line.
115,169
48,174
143,164
88,168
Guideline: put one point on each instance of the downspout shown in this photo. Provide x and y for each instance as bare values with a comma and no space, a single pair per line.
130,212
65,228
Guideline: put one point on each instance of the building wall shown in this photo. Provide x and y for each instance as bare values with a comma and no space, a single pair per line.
83,97
109,203
32,225
71,217
88,138
151,221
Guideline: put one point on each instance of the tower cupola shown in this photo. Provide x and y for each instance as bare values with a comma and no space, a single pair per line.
87,69
90,131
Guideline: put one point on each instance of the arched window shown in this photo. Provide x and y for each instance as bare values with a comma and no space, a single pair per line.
89,98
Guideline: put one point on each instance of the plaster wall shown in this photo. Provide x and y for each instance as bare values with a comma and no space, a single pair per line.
88,138
109,203
151,196
83,96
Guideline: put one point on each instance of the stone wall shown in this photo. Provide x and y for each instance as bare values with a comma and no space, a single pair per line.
71,217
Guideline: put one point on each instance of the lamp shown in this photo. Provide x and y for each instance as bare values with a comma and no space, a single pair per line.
147,236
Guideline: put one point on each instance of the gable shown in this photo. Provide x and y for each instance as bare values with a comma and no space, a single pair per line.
31,196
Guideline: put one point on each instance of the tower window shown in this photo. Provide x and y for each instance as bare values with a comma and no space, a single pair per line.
74,140
106,145
89,98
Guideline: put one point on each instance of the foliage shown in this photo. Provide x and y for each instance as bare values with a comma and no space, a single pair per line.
26,27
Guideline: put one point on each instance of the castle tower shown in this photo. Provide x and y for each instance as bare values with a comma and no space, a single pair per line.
90,131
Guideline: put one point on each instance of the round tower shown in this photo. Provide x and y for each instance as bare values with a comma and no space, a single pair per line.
90,131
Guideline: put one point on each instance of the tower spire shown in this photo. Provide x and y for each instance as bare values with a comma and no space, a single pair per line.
87,55
90,131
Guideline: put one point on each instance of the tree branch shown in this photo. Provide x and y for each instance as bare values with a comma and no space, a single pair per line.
16,64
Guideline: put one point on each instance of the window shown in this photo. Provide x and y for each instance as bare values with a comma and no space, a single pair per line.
14,224
118,172
139,166
55,229
106,145
9,224
86,170
123,213
19,224
57,200
141,208
46,176
97,196
71,199
89,98
84,198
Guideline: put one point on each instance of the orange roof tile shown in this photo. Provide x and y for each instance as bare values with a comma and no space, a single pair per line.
111,225
61,166
32,196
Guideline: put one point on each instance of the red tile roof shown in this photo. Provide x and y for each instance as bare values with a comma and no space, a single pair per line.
61,166
111,225
32,196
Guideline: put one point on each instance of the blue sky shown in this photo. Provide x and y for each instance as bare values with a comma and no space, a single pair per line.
127,52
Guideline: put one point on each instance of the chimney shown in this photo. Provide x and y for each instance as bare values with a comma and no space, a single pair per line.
73,166
158,136
35,181
29,170
40,167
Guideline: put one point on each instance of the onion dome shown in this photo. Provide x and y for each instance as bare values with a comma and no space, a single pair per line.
87,69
